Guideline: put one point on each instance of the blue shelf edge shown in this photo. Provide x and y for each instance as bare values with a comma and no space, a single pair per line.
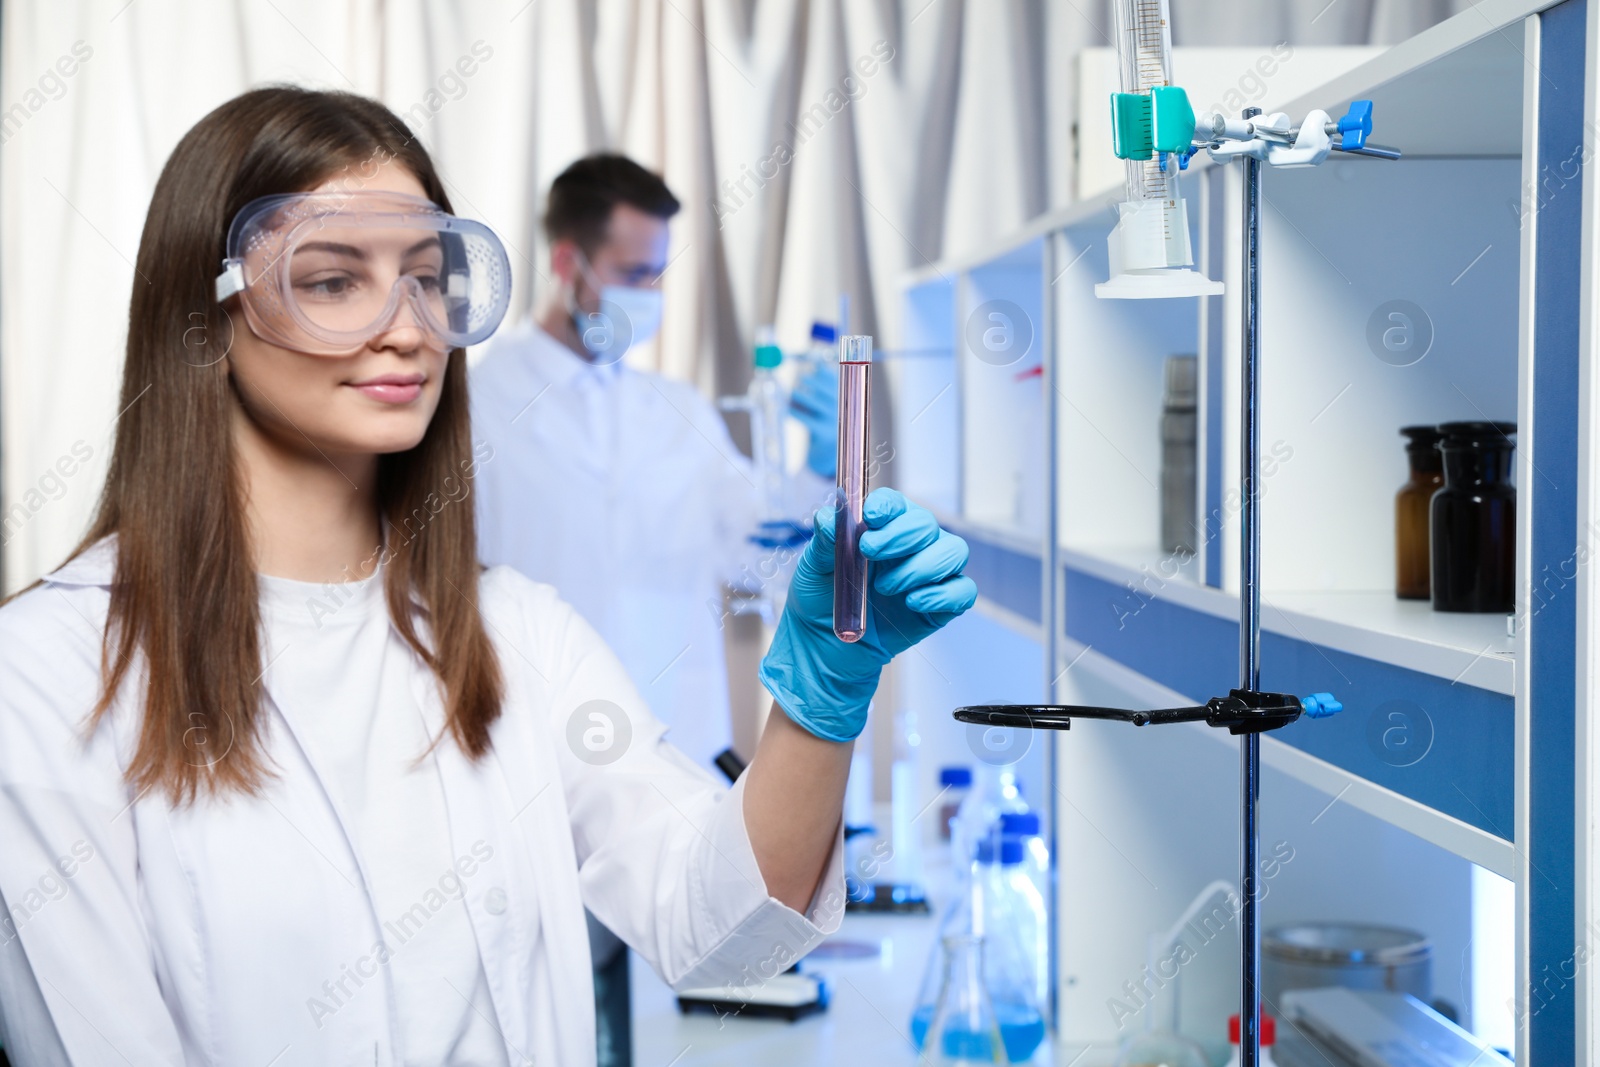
1445,745
1006,576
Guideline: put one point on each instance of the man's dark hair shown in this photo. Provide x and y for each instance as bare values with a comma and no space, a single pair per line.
583,196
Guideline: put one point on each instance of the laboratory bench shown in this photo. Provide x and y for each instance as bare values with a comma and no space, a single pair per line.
867,1020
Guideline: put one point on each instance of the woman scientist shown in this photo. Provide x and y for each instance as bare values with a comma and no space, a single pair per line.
285,776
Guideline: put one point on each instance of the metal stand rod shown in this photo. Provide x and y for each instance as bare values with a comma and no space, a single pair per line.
1250,616
1051,616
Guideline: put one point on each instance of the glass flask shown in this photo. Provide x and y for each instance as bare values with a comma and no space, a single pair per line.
964,1029
1411,504
1473,520
998,903
955,921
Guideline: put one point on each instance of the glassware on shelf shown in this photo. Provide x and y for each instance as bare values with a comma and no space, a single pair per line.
1160,1044
1473,520
964,1029
1411,504
1179,439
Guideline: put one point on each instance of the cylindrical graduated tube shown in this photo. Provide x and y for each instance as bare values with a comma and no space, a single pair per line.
849,565
1144,47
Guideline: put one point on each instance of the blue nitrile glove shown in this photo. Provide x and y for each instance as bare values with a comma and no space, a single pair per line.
815,403
916,584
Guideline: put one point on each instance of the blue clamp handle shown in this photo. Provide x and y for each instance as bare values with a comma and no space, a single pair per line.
1320,705
1182,158
1356,125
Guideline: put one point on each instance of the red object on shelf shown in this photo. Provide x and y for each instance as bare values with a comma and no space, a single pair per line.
1269,1030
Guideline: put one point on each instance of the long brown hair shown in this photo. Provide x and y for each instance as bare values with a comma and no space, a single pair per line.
185,591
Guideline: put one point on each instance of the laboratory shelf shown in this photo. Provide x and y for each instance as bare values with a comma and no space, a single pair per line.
1443,743
1005,565
1464,649
1145,566
1467,650
1473,650
1429,696
1456,836
1457,729
1475,62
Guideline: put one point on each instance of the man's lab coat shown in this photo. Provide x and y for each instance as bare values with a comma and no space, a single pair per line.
223,933
623,489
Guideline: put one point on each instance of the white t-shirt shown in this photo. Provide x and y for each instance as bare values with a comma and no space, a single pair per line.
368,733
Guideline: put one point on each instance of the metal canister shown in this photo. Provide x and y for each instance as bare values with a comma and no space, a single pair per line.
1179,441
1351,955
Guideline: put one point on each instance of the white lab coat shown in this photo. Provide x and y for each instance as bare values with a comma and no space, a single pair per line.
149,934
623,489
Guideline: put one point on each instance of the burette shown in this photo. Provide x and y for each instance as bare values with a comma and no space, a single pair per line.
1156,131
1150,250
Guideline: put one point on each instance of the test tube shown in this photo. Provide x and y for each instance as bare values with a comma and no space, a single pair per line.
849,565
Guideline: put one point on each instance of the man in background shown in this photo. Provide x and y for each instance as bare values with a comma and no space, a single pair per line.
621,487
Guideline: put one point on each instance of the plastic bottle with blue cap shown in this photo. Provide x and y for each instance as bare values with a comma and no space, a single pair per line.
997,903
1026,829
954,785
994,793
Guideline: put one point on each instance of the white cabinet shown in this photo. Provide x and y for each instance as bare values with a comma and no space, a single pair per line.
1442,287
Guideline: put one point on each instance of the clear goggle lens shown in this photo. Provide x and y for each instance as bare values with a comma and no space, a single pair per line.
325,273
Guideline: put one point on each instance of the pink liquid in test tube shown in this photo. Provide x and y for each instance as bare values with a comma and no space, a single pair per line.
849,565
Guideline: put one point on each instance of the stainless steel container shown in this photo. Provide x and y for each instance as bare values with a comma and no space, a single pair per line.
1179,441
1351,955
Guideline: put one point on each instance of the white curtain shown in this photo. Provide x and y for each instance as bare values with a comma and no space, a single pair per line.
819,147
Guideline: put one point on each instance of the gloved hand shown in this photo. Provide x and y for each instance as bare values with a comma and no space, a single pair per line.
815,403
916,586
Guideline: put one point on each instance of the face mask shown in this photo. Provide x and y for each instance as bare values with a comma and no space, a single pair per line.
628,316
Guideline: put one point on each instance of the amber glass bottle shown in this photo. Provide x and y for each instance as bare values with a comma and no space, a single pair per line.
1474,520
1411,512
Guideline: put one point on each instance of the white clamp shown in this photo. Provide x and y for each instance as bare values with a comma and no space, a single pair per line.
1268,138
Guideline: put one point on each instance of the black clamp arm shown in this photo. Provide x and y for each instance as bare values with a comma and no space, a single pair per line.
1242,711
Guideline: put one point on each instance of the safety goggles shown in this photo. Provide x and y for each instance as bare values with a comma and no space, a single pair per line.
326,272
